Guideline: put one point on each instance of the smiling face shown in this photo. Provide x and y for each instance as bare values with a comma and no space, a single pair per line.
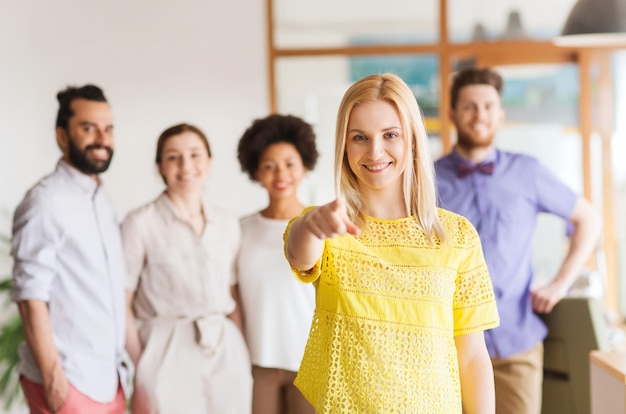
477,116
375,146
87,143
184,162
280,170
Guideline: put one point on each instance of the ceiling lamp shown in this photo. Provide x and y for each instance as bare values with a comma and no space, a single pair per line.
595,23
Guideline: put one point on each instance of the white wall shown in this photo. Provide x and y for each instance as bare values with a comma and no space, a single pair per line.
159,63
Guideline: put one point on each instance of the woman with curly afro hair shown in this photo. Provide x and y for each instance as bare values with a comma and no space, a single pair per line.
277,152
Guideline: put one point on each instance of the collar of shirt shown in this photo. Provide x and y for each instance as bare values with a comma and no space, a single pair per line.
457,159
167,208
85,182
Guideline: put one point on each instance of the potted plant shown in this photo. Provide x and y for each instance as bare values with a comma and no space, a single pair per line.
11,335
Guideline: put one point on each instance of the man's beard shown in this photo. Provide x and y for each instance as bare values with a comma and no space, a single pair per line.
80,158
467,143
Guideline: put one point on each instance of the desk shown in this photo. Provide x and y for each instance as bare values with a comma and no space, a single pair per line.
608,382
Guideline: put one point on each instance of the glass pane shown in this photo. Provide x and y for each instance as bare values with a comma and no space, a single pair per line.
312,88
343,23
541,94
474,20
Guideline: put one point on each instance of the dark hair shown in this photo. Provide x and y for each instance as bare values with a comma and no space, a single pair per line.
473,76
274,129
66,96
179,129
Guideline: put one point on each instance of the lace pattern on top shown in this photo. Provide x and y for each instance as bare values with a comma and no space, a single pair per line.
388,305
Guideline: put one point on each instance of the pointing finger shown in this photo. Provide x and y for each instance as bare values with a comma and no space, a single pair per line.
352,228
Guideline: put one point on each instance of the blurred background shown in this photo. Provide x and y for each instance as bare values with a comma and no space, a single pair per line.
220,64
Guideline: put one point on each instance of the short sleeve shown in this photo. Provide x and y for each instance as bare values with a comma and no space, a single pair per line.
312,274
474,301
134,250
34,247
553,196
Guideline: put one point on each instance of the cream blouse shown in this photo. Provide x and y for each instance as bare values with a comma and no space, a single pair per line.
175,272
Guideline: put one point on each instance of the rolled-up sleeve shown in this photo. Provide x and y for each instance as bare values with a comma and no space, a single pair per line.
34,248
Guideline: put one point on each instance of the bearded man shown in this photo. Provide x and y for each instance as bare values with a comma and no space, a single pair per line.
68,270
502,193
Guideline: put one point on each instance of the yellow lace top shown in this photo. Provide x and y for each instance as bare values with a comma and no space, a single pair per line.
388,306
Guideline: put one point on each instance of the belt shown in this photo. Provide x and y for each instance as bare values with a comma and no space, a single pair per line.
208,329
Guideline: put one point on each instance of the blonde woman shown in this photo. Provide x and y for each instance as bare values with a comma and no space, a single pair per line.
403,292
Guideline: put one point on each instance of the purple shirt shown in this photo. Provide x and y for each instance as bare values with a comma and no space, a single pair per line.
503,207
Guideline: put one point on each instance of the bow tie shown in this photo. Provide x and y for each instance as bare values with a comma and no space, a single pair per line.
463,170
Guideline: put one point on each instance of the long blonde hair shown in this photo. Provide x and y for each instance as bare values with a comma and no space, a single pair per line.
418,184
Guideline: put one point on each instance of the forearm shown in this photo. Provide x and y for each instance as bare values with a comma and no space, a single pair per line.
39,337
476,375
303,248
477,388
583,242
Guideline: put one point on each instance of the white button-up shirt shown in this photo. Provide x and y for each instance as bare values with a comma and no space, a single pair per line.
67,252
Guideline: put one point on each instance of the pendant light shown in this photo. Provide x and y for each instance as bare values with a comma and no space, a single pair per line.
595,23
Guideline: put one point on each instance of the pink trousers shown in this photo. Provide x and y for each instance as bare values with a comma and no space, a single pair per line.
76,402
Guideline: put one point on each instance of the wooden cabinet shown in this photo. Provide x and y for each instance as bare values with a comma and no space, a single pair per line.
608,382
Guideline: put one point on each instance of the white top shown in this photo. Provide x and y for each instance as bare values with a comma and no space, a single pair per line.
278,309
194,357
67,252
